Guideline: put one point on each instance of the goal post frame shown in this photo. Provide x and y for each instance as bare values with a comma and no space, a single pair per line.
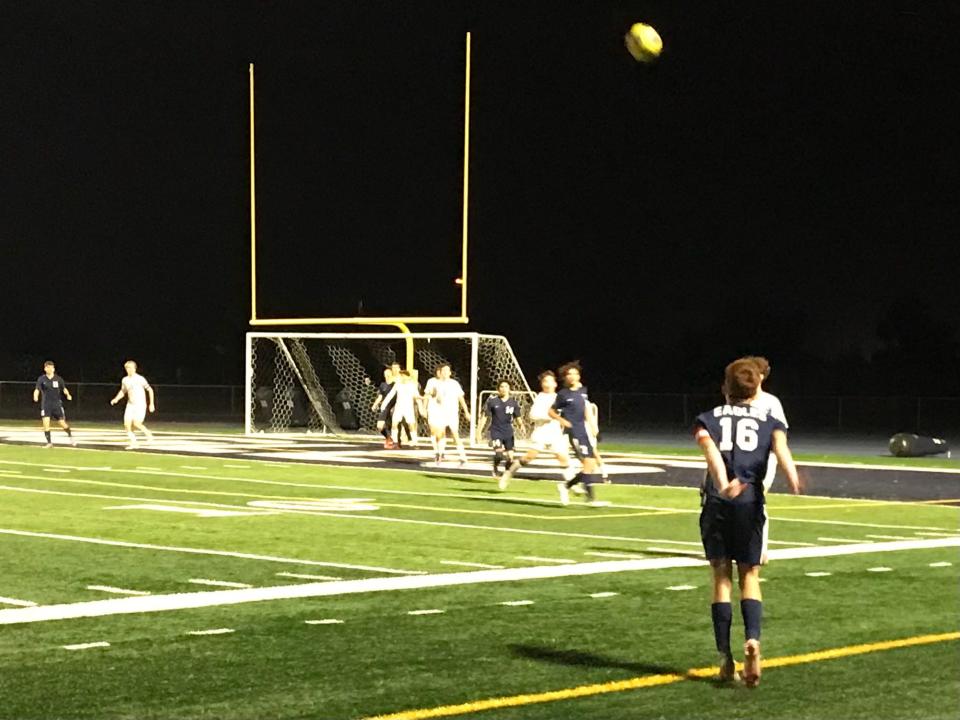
474,391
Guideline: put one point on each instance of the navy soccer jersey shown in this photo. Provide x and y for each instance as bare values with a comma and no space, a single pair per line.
502,414
51,396
744,435
384,390
572,405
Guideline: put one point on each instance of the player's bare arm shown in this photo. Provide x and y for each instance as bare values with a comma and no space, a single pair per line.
785,460
716,467
150,395
559,418
118,397
36,395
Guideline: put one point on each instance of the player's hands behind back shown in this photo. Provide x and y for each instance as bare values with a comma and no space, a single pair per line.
733,489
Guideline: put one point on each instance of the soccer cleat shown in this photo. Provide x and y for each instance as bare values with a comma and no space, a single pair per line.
564,493
504,481
727,672
130,447
388,444
606,476
751,663
73,443
579,490
48,445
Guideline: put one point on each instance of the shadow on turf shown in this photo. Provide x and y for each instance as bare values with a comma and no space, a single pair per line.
579,658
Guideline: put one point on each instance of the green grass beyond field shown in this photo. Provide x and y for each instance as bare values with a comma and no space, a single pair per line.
126,528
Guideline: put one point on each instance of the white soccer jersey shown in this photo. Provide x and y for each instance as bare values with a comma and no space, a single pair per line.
135,388
444,397
539,411
770,403
405,393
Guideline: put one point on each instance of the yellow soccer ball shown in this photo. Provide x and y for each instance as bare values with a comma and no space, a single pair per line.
643,42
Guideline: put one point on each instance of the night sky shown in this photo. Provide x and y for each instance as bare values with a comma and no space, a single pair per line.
783,182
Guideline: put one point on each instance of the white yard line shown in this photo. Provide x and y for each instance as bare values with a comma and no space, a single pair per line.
675,551
516,603
212,631
481,566
326,621
603,594
621,556
18,603
818,574
939,534
86,646
880,569
306,576
841,540
682,587
940,564
182,601
537,558
218,583
433,611
203,551
889,537
190,467
116,590
56,470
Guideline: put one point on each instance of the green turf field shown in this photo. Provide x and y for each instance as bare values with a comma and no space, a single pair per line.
127,528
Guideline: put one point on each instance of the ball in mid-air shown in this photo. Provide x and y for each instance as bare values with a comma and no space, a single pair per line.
643,42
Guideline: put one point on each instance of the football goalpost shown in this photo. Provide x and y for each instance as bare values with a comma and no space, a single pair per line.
327,382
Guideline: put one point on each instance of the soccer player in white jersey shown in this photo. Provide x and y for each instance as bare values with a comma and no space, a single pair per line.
444,402
771,403
593,430
136,389
547,435
404,395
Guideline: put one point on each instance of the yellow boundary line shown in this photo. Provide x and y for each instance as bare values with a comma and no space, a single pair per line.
655,680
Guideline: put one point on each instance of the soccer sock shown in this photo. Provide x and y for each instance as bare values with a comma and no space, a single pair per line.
441,446
722,614
578,477
395,435
514,466
588,481
146,432
68,431
46,434
569,473
131,436
497,457
752,611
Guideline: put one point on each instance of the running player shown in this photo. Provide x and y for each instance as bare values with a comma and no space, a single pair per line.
736,440
547,435
385,410
49,392
403,397
444,402
771,403
593,430
503,412
571,410
136,389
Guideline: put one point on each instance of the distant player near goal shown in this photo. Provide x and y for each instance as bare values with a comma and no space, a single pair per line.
771,403
136,389
503,411
547,435
572,410
444,402
385,410
49,392
404,397
736,440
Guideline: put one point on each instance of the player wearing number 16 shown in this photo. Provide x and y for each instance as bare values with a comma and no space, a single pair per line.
736,439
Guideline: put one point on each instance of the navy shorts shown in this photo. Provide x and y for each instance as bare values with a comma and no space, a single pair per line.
580,442
53,412
385,415
502,442
732,531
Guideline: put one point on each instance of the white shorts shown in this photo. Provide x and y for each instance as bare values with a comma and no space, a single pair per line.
406,415
549,438
134,413
771,472
443,419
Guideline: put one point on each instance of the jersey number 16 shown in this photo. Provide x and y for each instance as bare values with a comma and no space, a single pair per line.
746,434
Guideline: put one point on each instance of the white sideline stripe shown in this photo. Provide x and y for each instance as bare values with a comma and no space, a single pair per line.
306,576
212,631
889,537
116,590
880,569
203,551
623,556
483,566
327,621
434,611
682,587
939,534
941,564
237,467
535,558
516,603
818,574
675,551
182,601
56,470
317,486
86,646
218,583
840,540
603,594
193,467
197,512
27,603
149,467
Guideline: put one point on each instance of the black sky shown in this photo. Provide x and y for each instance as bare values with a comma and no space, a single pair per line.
784,181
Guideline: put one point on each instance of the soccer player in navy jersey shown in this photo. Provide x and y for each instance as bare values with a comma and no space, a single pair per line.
736,439
385,410
503,411
49,392
572,410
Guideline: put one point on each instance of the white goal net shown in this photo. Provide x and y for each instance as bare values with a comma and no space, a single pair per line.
327,383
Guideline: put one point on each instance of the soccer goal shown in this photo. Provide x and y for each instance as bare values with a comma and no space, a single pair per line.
326,382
